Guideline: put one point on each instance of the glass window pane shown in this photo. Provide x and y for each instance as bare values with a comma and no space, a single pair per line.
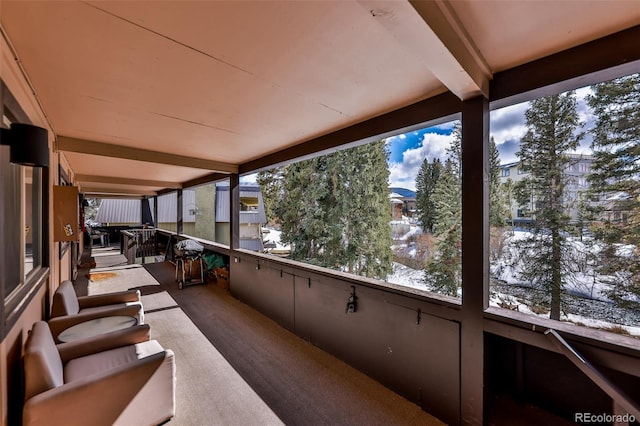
564,229
32,217
205,214
389,210
22,196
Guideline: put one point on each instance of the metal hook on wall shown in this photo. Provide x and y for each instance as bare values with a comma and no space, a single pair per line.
352,302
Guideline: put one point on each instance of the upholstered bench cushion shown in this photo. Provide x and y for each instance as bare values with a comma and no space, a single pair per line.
103,361
155,402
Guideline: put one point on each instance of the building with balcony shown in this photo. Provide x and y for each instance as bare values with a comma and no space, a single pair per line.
197,203
575,175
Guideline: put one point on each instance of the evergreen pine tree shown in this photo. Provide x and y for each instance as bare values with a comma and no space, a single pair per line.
271,185
498,210
615,182
361,205
544,257
507,191
443,271
336,211
302,217
426,179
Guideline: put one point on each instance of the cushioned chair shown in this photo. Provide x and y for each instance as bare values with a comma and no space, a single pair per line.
117,378
68,309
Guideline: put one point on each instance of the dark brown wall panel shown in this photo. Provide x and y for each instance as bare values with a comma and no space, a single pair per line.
264,289
389,337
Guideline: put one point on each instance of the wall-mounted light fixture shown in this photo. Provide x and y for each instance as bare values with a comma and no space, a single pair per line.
29,145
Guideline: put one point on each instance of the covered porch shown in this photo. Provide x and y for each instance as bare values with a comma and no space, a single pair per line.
237,366
147,100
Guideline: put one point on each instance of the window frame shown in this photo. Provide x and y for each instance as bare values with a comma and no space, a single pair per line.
14,303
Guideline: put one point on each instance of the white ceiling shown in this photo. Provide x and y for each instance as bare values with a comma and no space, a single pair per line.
233,81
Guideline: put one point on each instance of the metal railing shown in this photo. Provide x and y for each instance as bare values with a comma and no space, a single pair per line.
620,399
138,244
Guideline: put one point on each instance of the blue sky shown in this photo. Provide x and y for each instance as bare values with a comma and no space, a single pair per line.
507,127
412,140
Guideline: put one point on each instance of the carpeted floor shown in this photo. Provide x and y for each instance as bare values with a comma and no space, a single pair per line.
237,367
208,390
302,384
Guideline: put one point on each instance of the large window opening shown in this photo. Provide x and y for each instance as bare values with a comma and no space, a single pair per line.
205,212
388,210
565,230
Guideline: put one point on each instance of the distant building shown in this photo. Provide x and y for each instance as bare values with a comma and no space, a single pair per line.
205,211
252,216
403,203
576,173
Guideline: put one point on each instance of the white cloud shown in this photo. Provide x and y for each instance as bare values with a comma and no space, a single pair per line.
404,174
508,124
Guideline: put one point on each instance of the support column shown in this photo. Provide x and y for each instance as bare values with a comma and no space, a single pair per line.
475,258
179,213
155,211
145,213
234,213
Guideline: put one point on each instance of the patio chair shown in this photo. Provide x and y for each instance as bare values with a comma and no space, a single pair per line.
97,235
119,378
68,309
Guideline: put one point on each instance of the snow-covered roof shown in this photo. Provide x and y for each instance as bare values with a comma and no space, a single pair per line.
403,192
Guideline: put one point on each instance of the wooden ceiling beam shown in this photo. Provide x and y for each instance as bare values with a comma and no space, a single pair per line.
600,60
432,32
127,181
84,146
99,192
450,52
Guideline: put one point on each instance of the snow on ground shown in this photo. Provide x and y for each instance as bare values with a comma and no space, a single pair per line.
410,227
584,280
272,243
588,304
589,312
586,300
408,277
